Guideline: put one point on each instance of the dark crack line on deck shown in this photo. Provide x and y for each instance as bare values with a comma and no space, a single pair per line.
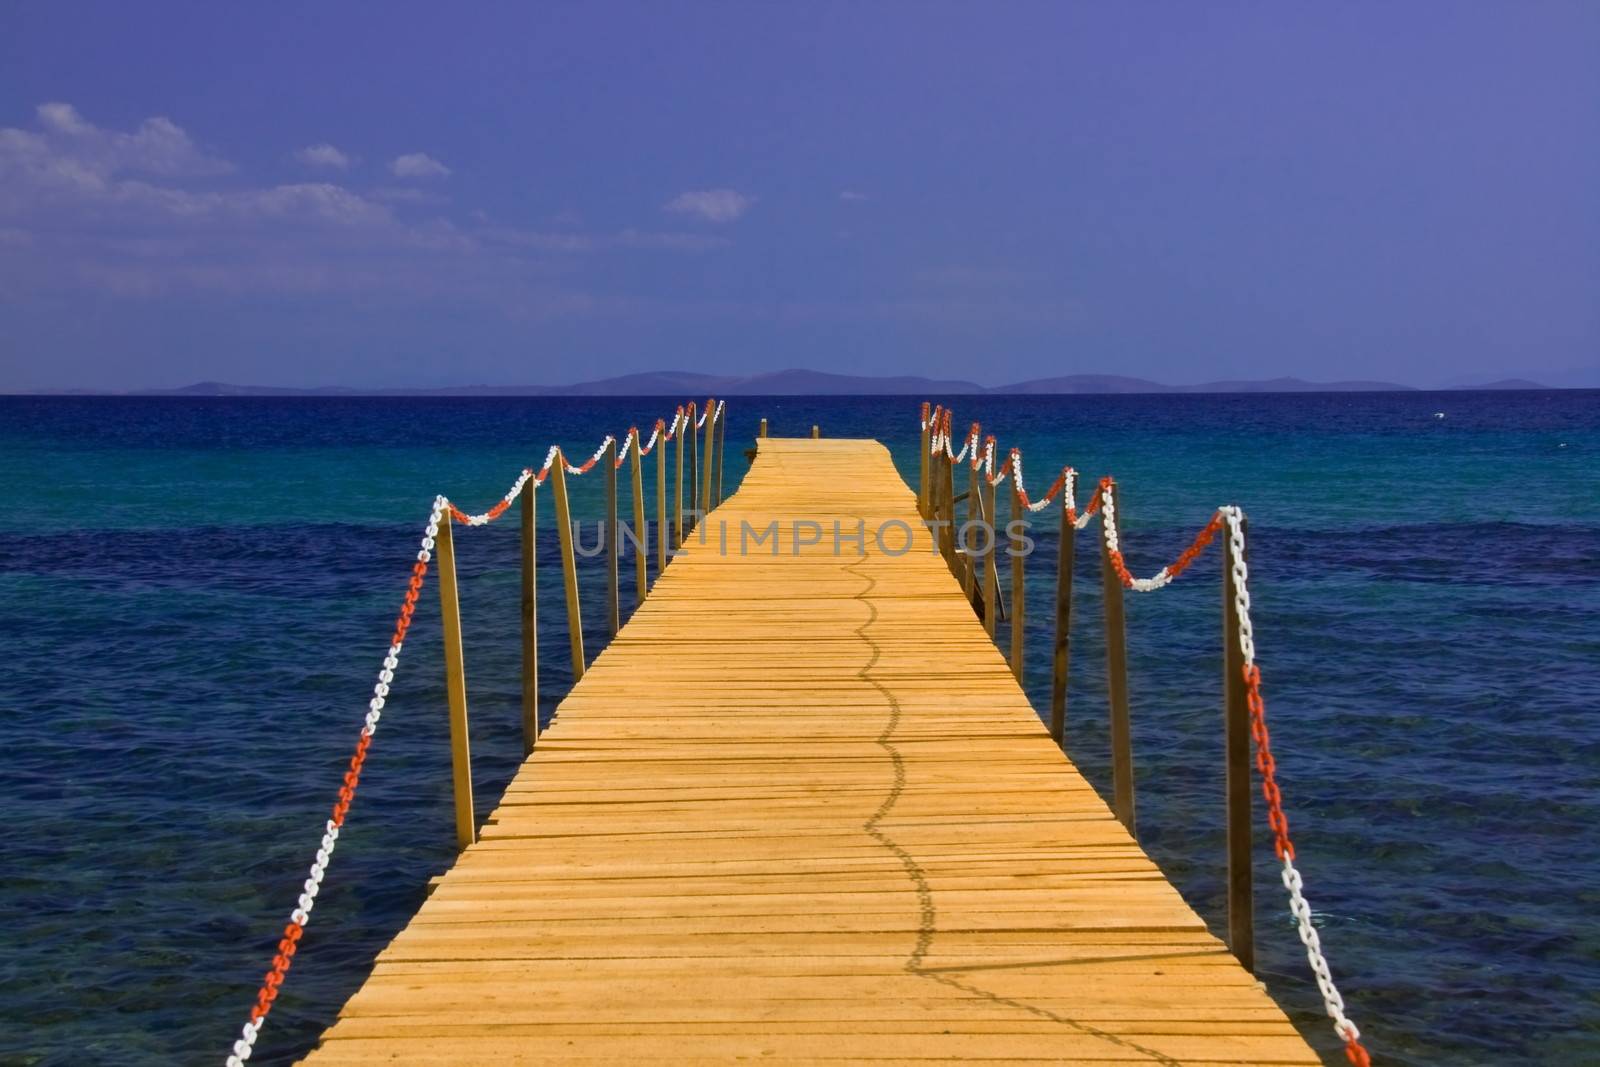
927,927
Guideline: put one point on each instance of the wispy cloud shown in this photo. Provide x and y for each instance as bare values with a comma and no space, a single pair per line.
79,174
569,241
850,196
141,214
325,157
712,205
67,152
418,165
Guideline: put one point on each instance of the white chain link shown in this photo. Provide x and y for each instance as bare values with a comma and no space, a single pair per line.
1332,1000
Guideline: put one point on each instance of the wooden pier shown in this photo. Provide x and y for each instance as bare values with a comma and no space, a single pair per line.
800,810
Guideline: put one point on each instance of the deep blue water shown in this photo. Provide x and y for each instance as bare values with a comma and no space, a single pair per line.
197,593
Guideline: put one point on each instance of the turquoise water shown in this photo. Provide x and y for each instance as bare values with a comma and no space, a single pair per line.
199,591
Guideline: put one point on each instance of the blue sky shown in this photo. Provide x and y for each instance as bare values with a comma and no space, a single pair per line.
421,194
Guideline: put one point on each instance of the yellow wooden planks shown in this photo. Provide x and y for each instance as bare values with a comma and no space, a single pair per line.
800,810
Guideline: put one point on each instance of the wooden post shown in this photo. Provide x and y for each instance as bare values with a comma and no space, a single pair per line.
569,562
762,432
991,574
613,549
944,511
922,466
641,525
722,443
1018,515
677,505
1059,668
661,504
947,512
455,685
705,466
816,432
530,621
694,470
969,575
1117,678
1236,756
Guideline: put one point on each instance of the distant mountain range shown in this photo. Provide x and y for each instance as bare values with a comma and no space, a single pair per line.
819,383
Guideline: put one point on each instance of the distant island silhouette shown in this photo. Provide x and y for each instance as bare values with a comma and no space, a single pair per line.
797,382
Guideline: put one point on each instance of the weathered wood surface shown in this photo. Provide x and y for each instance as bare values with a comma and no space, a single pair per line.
799,810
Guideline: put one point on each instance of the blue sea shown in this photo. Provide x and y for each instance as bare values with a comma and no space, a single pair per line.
198,592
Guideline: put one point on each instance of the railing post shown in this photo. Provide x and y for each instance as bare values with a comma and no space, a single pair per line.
1236,746
705,466
569,562
641,525
1061,662
816,432
455,684
662,536
677,505
613,549
722,446
762,431
922,466
688,525
1015,533
530,620
1117,675
948,512
991,573
970,574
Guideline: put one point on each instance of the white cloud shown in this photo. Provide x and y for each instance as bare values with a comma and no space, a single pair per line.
324,156
68,152
418,165
850,196
139,214
712,205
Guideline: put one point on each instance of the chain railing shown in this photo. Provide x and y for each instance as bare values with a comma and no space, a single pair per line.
703,480
1244,710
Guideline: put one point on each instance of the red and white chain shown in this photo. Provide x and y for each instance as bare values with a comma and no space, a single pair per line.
301,915
588,465
1108,519
1044,502
1231,518
701,421
1069,499
968,444
528,473
988,463
1332,1000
